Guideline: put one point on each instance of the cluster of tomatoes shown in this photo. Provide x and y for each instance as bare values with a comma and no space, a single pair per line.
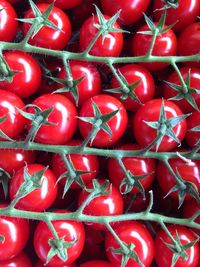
125,106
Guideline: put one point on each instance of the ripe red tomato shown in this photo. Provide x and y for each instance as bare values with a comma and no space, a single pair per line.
96,263
63,117
8,21
144,91
117,123
131,10
15,234
110,46
131,232
21,260
192,137
63,4
165,45
48,37
28,77
40,264
150,111
189,208
163,255
40,198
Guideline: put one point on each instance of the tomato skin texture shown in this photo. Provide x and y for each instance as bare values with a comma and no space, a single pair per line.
183,15
131,10
27,81
131,232
110,47
63,4
189,208
145,89
48,37
185,236
137,166
192,138
39,199
16,234
40,264
8,21
21,260
117,124
150,112
69,230
96,263
165,45
63,116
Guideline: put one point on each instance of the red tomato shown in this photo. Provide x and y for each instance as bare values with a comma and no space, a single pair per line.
131,233
186,13
189,209
131,10
110,46
192,137
21,260
48,37
144,91
8,21
68,230
40,264
136,202
136,166
150,111
109,204
63,4
117,123
63,117
96,263
40,198
165,45
28,77
163,255
15,233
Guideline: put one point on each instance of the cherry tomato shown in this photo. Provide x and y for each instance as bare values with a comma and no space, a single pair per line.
163,255
48,37
40,198
40,264
21,260
97,263
189,208
63,4
192,137
110,46
150,111
130,233
117,123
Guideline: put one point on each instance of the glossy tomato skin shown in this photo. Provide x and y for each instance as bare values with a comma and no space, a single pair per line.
96,263
145,89
21,260
169,92
110,47
8,21
186,236
192,137
63,4
69,230
131,232
39,199
150,112
131,10
81,162
110,204
40,264
165,45
189,208
186,13
28,77
48,37
9,105
15,232
137,166
117,123
63,117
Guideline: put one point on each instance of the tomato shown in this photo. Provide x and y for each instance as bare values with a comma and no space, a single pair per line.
165,45
80,162
70,231
194,82
28,77
163,255
134,165
131,10
96,263
15,233
131,232
144,91
192,137
110,46
63,4
40,264
63,118
21,260
14,122
40,198
183,15
189,208
135,202
48,37
117,123
149,112
8,21
109,204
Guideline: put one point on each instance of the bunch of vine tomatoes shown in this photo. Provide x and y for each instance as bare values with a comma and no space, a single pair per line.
115,104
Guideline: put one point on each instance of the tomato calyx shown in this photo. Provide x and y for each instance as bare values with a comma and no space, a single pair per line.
2,238
6,74
171,4
4,181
